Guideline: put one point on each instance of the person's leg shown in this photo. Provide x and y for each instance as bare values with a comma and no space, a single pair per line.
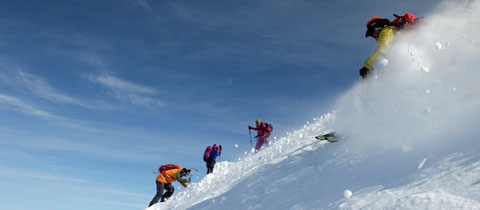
157,197
210,165
267,141
259,144
170,189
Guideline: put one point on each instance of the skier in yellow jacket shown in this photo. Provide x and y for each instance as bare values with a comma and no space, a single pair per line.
379,29
164,181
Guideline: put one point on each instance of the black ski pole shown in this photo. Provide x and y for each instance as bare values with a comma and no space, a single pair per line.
250,132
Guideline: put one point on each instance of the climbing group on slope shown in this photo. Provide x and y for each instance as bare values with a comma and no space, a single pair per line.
381,29
167,174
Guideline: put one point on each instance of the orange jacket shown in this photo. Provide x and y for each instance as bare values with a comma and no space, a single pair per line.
171,176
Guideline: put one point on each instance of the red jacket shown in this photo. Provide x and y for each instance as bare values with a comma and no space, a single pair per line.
262,131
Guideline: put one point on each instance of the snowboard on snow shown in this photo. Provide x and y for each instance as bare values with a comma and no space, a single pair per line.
331,137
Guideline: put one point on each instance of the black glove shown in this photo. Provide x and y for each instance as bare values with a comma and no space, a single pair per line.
249,127
220,147
364,72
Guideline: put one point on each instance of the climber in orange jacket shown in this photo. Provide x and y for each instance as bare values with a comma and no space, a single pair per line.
164,181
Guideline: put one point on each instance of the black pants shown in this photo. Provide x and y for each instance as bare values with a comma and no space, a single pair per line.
210,165
160,187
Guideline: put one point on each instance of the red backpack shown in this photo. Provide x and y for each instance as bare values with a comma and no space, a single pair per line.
268,129
406,21
167,167
206,154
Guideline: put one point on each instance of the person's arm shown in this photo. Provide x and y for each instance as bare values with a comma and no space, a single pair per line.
383,44
181,180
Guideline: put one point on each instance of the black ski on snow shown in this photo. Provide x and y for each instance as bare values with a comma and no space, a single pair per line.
331,137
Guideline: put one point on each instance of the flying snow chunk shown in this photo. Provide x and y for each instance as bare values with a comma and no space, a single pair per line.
425,69
347,194
438,46
384,62
422,163
236,145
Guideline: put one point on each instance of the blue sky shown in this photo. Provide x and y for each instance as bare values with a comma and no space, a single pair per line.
95,95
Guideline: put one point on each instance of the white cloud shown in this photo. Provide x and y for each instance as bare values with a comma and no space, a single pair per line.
145,5
80,184
125,91
22,81
21,106
121,85
38,86
44,176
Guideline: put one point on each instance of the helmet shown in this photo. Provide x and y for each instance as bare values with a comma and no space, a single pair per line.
375,22
258,120
185,172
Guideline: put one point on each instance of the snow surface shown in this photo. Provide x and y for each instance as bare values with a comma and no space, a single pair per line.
410,137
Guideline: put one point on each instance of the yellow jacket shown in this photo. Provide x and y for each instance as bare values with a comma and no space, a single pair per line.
171,176
383,44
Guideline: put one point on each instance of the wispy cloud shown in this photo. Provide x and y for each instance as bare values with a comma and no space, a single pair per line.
38,86
291,39
98,150
42,175
19,80
25,108
145,5
82,184
129,92
21,106
16,144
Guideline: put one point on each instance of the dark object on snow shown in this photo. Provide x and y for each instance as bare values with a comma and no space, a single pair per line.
331,137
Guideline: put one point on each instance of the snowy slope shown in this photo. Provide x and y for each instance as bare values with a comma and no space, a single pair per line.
411,137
